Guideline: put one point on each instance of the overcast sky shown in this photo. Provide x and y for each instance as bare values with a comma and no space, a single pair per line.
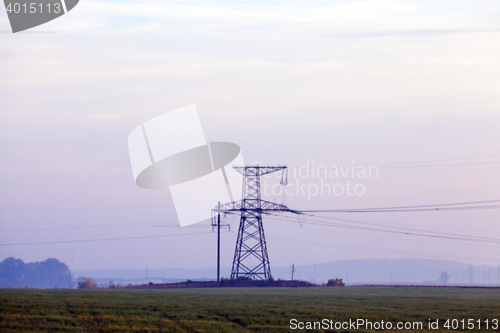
335,82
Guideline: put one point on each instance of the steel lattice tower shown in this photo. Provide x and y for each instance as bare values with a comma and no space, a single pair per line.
250,256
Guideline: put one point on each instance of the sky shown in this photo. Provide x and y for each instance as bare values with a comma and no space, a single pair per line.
410,87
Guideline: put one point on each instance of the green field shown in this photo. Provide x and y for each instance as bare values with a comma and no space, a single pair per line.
239,309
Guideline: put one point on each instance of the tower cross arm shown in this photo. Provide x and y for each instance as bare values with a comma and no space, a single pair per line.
268,206
259,170
265,206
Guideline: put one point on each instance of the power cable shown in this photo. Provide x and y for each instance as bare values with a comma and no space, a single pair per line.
404,231
361,235
103,239
85,226
410,208
323,244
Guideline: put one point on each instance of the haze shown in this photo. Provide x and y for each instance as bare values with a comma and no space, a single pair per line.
338,83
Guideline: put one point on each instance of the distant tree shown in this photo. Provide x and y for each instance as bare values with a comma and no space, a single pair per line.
444,278
12,272
87,283
335,283
46,274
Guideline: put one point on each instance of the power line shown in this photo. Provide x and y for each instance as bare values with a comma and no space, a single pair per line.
433,207
102,240
411,208
426,188
86,208
357,234
72,209
388,164
324,244
442,160
383,166
405,210
86,226
408,229
404,231
435,165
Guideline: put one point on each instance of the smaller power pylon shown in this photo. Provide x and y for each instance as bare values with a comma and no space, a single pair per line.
250,256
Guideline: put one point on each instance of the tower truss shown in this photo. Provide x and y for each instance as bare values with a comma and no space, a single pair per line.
251,259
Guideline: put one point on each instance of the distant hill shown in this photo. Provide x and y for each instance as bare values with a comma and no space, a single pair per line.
399,271
364,271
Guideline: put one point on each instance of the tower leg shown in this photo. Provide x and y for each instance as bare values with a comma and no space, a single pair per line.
250,256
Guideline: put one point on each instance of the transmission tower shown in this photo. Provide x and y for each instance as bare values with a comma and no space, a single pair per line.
250,256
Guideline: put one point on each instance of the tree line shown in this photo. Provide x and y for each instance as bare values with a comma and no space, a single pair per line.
50,273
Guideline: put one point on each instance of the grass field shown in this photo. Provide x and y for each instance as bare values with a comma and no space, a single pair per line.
238,309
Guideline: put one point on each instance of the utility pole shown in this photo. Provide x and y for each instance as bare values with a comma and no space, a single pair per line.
471,275
217,224
218,246
293,270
